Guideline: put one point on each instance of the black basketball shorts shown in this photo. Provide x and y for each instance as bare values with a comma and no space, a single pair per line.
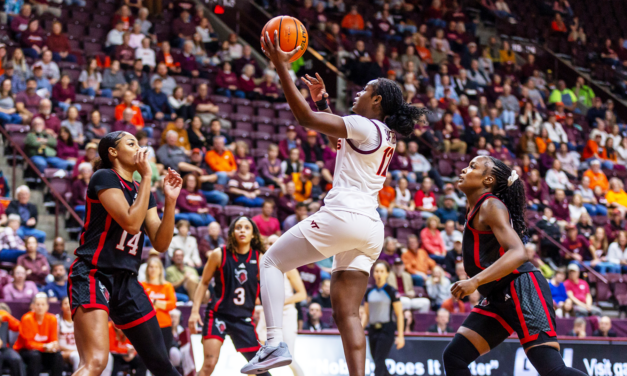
240,329
524,307
118,293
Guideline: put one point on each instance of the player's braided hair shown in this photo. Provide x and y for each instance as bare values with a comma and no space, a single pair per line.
111,140
399,116
255,243
513,195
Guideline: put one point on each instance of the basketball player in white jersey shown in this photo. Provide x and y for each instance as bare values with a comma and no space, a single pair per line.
348,226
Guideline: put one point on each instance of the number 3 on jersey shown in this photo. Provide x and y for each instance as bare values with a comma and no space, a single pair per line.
132,244
241,296
387,157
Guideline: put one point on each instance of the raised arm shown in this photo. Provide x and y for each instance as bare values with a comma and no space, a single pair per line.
494,214
329,124
318,92
160,231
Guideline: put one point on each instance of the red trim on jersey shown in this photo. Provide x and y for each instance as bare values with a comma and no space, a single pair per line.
215,308
546,309
138,321
70,281
101,242
526,338
250,349
88,202
494,316
477,206
368,151
211,336
92,286
476,249
209,327
250,253
123,182
254,348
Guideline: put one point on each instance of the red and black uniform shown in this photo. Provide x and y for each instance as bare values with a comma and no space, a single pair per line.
104,274
520,302
231,308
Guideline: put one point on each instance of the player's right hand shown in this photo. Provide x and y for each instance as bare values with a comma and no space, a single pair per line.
194,323
316,87
142,163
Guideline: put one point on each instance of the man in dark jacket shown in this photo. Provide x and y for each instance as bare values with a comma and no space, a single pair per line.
441,326
605,328
158,102
28,213
314,324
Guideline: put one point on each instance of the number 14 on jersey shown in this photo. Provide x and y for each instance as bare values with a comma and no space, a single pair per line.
132,244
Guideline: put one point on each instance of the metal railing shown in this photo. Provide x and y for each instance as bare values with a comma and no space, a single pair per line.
58,197
563,250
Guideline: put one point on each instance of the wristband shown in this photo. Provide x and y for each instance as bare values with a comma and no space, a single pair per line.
322,104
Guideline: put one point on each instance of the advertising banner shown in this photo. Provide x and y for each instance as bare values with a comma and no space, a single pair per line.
319,355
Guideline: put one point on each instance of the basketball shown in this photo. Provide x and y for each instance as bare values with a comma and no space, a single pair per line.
292,33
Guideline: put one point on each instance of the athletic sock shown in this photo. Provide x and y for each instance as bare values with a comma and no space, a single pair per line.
273,299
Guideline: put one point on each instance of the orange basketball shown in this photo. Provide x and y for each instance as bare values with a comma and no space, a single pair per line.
292,33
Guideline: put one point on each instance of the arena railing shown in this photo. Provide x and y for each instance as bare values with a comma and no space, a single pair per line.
58,196
564,251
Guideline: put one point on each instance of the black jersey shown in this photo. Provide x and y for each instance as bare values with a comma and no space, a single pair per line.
237,284
481,249
103,242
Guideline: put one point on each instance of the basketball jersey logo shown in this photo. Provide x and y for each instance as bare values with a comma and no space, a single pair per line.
314,225
104,291
241,276
221,326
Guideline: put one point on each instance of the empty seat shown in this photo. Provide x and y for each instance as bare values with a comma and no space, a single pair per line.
268,128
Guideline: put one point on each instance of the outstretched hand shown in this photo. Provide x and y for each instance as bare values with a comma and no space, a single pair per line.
316,87
273,51
172,184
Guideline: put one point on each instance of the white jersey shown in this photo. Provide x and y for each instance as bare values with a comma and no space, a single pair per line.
362,162
66,333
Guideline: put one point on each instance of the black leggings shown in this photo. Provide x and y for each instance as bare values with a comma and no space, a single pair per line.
147,339
11,359
37,361
381,342
168,337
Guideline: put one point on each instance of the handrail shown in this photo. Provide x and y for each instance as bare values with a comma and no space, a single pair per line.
569,253
57,196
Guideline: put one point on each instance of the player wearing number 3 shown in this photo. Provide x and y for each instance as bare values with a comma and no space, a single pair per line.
235,269
348,226
103,279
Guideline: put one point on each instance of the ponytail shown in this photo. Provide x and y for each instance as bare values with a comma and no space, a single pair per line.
510,189
399,116
111,140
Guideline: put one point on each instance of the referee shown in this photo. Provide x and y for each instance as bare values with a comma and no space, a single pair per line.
381,300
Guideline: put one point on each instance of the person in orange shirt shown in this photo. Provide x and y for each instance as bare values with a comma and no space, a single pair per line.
123,353
596,176
127,102
302,182
9,357
386,196
37,341
417,261
592,148
221,160
178,126
353,23
163,299
609,153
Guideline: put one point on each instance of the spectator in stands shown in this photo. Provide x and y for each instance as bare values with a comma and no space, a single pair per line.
323,296
27,99
616,196
207,178
44,88
41,147
115,37
37,342
557,179
183,29
584,93
174,156
447,212
187,243
64,94
608,55
8,112
558,290
615,224
605,328
212,240
158,102
402,201
579,328
90,80
33,40
207,110
192,204
195,134
616,252
300,213
221,161
596,112
123,14
291,141
596,176
57,289
269,168
559,206
35,263
127,102
19,290
353,23
432,241
49,67
227,82
124,53
549,225
402,281
79,188
390,251
67,148
441,326
12,245
400,164
576,208
59,254
95,129
67,344
417,261
122,353
564,95
267,224
113,79
313,323
579,292
438,287
51,121
125,124
578,245
58,44
73,125
183,278
244,187
20,18
181,105
425,199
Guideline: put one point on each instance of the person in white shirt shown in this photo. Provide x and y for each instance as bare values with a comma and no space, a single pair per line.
187,243
449,234
570,159
478,75
67,344
599,130
146,54
136,35
115,37
50,68
555,130
576,208
617,252
556,178
621,152
421,166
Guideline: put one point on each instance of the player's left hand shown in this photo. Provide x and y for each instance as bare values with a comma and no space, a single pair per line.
316,87
461,289
172,184
273,50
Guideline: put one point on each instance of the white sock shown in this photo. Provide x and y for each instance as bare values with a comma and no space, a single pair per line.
275,336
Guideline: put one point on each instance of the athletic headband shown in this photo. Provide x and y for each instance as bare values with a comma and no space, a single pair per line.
512,178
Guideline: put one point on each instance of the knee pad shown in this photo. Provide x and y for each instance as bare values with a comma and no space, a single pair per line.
459,353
